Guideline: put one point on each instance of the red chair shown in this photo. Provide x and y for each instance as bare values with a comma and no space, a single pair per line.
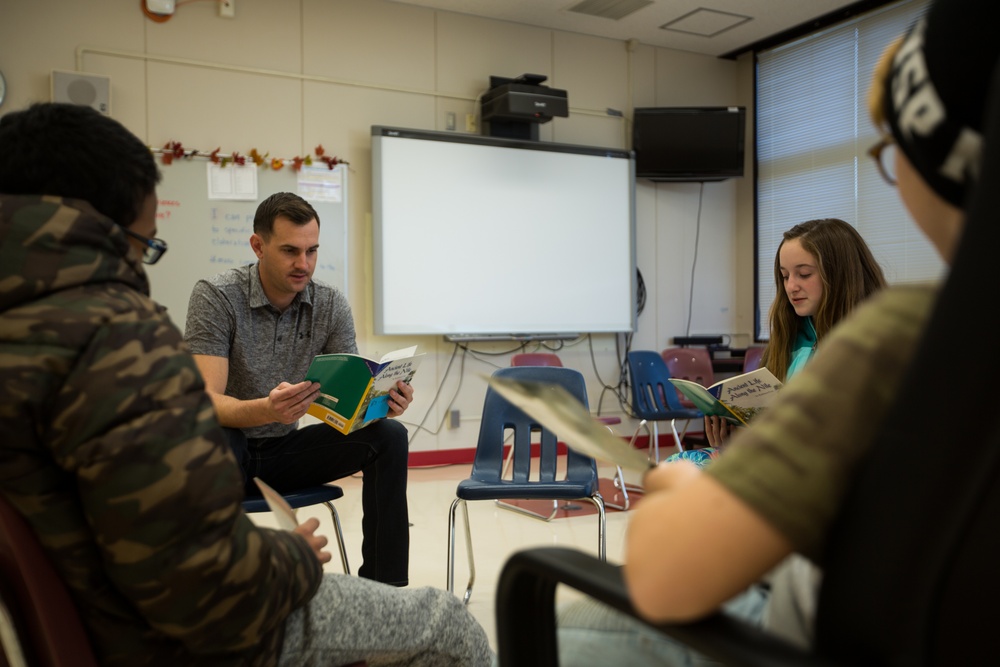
751,358
47,629
536,359
551,359
689,363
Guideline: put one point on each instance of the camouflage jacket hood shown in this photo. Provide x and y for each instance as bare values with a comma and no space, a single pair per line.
110,449
51,244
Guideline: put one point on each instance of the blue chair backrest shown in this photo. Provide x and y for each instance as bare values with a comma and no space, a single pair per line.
653,397
500,418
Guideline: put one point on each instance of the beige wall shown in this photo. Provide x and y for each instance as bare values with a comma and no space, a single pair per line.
284,76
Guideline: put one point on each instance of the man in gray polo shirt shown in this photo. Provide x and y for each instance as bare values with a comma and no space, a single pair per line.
253,331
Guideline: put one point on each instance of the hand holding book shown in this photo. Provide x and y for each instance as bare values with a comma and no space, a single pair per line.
737,399
354,391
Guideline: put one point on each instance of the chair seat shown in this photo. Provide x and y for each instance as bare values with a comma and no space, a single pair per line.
310,495
471,489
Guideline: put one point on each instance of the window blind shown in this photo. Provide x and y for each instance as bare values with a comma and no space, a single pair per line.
813,131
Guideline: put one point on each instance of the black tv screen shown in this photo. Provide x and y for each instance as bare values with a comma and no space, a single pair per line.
688,143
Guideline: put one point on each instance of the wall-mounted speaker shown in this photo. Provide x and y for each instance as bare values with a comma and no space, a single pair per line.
91,90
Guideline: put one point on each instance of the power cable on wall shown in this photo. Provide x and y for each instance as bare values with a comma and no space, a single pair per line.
694,261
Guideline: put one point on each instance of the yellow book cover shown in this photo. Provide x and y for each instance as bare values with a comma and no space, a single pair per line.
354,391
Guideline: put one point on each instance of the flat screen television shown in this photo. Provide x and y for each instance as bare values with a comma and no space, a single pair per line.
688,143
479,236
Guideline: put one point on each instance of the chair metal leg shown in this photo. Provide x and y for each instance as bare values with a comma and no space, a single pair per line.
677,438
656,443
468,547
619,482
654,435
602,539
340,535
642,425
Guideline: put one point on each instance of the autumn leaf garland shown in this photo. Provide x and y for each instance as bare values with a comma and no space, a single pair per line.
175,150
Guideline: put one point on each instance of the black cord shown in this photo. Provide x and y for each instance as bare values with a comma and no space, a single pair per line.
694,261
420,427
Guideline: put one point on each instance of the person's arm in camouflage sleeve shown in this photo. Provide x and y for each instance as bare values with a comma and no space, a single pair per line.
162,492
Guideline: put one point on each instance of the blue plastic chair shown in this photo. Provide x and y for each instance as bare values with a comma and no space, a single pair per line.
500,419
654,399
305,497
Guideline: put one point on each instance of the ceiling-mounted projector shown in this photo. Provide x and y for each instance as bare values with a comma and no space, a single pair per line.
523,100
161,7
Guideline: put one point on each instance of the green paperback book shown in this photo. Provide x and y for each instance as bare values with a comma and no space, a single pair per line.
354,391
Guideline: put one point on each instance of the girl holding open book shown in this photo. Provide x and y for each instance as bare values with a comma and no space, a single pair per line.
825,270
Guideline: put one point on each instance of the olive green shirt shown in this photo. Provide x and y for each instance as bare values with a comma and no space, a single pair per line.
794,463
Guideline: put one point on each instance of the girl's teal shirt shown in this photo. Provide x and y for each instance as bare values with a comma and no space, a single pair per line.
805,346
802,351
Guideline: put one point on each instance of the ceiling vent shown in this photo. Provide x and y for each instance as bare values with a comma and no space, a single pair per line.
609,9
705,22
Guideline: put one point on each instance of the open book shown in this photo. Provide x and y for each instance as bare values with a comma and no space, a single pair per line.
558,410
283,512
738,399
354,390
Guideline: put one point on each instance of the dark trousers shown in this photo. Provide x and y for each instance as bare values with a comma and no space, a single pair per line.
318,454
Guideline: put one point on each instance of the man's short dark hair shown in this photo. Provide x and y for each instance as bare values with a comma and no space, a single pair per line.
285,204
73,151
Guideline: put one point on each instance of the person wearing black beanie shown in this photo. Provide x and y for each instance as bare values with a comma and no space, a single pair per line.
929,97
776,490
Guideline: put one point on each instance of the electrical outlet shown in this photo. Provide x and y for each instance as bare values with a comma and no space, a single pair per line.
227,9
449,123
470,122
454,419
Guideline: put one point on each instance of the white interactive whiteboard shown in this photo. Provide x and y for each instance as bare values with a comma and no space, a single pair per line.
207,236
499,237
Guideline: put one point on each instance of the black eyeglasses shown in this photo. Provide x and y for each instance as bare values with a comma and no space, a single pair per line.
884,154
154,247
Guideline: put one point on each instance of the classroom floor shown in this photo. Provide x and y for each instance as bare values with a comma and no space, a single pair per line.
496,533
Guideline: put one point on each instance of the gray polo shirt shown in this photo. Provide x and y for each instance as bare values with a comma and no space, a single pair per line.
229,316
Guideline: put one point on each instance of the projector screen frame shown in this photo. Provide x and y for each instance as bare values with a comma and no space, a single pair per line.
516,173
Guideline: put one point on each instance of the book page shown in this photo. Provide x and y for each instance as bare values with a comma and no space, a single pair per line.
378,400
748,394
283,512
558,410
399,354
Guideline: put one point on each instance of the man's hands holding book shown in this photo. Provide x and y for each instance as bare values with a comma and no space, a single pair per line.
287,403
400,398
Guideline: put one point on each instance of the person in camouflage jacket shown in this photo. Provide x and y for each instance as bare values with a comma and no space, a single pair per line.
109,445
111,451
